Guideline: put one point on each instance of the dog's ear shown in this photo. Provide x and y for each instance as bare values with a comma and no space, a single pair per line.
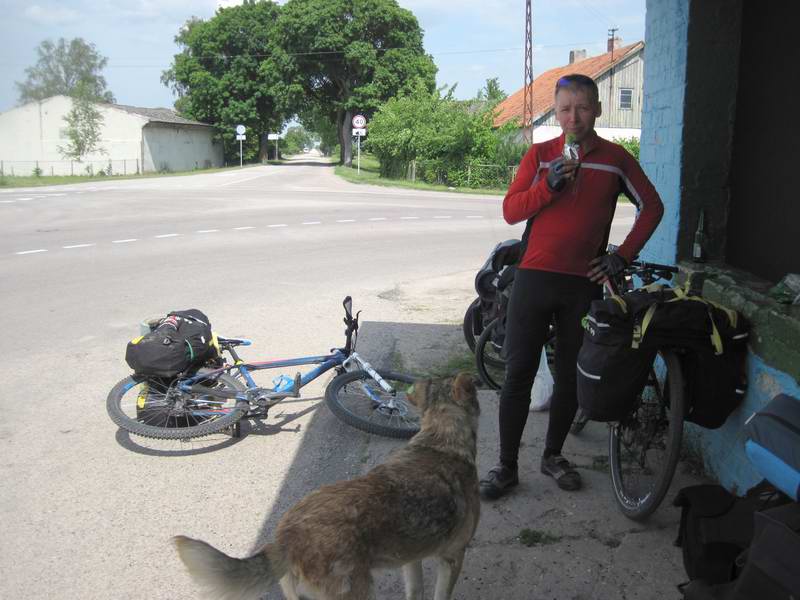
418,394
464,391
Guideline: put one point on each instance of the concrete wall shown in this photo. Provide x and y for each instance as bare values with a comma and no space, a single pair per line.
168,147
31,135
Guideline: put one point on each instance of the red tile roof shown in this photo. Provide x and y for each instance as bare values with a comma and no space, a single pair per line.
543,86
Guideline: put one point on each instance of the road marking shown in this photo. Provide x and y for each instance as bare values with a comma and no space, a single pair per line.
243,228
24,199
346,221
77,246
167,235
408,218
278,225
474,216
207,231
7,201
377,219
311,222
124,241
244,180
31,251
443,217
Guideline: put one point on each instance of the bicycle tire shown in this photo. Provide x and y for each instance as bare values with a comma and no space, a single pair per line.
488,360
147,407
354,406
638,436
470,325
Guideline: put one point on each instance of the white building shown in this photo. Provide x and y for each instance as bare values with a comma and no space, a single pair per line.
133,140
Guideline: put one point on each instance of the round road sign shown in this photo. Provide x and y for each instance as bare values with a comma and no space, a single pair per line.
359,121
240,129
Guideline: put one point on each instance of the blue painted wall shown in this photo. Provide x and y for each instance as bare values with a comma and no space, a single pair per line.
666,31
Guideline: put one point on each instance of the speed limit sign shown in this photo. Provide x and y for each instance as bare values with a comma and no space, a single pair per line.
359,121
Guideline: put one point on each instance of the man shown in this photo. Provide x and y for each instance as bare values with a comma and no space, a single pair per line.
570,205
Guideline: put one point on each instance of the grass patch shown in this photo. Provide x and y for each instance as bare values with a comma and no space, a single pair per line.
533,537
455,363
370,174
45,180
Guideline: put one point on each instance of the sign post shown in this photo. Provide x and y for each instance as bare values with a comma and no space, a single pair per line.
240,129
276,137
359,130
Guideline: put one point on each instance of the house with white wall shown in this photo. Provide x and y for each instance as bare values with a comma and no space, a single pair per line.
619,74
132,140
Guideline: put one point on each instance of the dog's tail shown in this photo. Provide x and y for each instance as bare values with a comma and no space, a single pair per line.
229,578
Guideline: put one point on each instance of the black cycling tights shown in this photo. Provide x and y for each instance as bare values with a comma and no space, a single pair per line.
535,298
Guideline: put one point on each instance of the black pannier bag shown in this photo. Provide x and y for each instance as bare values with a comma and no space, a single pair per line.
623,334
773,444
181,341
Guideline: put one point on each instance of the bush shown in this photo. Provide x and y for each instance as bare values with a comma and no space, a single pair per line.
630,144
37,172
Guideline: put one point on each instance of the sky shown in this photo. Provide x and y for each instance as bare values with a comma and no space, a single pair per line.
470,40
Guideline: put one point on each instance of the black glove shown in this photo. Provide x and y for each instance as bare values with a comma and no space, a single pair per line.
555,178
608,265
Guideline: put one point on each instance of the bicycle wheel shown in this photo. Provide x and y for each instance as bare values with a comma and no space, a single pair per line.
359,401
472,323
490,362
156,408
645,446
488,359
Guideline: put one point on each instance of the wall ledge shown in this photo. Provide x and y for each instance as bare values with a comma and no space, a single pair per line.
775,328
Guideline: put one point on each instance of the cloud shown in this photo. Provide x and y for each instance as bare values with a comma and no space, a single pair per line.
49,15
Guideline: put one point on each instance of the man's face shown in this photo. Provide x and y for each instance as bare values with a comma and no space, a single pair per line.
576,111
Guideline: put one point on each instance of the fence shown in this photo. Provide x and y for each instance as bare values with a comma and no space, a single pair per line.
122,166
471,175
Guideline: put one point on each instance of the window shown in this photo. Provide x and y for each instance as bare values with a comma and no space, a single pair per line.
626,98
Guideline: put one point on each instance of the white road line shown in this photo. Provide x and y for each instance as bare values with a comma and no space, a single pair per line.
7,201
77,246
124,241
408,218
243,228
167,235
31,251
311,222
206,230
24,199
443,217
244,180
346,221
377,219
474,216
278,225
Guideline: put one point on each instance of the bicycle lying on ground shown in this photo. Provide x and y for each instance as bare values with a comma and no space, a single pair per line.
644,446
211,400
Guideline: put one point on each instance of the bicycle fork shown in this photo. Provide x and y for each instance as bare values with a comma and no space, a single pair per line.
354,362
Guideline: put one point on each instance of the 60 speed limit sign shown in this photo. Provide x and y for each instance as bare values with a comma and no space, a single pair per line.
359,121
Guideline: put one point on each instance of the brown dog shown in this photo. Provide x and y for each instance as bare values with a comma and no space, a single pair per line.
422,502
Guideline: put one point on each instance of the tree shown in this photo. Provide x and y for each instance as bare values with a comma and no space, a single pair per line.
353,55
296,139
491,92
84,122
231,72
61,68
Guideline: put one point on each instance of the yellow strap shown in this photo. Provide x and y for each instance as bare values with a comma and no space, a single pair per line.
640,330
137,340
618,299
214,343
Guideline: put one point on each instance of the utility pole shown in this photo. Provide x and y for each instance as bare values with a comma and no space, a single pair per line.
527,101
612,35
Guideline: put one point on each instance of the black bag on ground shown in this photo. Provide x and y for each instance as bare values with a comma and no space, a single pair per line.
181,341
717,526
773,443
623,334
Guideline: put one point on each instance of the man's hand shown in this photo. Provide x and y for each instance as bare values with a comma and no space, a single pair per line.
608,265
560,171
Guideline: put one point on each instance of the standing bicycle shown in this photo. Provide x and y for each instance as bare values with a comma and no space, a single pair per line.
644,352
216,398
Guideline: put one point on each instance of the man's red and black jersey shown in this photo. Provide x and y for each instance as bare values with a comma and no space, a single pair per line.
571,227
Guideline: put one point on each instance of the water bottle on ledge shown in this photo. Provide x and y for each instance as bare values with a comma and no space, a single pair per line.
698,246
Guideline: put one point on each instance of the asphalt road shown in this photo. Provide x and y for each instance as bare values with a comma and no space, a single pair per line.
268,253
